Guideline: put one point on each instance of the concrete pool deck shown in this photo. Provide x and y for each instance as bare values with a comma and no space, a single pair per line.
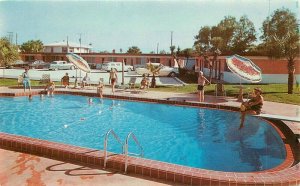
9,172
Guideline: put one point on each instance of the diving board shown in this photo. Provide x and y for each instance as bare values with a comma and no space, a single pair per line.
278,117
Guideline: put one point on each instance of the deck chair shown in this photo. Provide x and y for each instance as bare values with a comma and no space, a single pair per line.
86,82
20,80
132,82
220,90
45,79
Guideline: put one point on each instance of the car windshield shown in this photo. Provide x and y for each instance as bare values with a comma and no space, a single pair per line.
104,64
54,62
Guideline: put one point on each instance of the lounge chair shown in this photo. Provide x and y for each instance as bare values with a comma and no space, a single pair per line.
132,82
45,79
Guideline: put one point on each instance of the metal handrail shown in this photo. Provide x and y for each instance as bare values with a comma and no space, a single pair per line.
105,144
126,148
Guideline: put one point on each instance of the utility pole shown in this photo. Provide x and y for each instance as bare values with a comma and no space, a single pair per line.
16,39
10,36
171,38
79,44
67,44
157,48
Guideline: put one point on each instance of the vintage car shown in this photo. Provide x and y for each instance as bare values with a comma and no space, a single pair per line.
61,65
107,66
162,70
38,64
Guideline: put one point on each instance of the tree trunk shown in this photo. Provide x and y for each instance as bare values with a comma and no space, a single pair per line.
291,71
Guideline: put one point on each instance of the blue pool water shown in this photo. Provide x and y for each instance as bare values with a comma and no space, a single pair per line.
195,137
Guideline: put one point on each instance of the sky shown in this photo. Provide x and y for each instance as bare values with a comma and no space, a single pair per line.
109,25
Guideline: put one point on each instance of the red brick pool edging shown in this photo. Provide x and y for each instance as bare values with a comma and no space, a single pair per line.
284,174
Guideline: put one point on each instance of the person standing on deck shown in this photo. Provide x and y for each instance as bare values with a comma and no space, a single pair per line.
202,81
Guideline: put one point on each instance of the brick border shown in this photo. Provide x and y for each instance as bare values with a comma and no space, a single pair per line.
285,174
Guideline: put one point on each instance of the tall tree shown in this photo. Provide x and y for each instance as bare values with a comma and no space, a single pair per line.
225,29
202,43
188,52
172,49
8,52
281,39
32,46
244,35
162,52
134,50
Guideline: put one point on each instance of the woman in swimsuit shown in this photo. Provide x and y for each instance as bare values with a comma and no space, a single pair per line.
113,79
253,106
201,82
26,80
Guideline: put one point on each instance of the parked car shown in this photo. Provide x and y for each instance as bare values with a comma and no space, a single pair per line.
164,70
61,65
20,64
99,66
38,64
107,66
92,65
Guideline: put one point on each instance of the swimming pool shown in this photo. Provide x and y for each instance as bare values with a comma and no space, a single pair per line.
195,137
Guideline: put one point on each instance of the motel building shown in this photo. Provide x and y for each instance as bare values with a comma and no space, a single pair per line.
273,70
66,47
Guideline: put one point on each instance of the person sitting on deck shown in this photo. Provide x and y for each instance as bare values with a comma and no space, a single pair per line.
85,80
253,106
50,88
100,88
144,82
65,81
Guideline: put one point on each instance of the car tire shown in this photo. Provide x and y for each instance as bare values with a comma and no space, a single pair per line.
172,74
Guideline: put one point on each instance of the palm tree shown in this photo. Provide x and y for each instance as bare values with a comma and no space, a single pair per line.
154,69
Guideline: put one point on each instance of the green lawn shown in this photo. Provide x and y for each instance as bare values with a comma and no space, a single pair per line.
272,92
14,82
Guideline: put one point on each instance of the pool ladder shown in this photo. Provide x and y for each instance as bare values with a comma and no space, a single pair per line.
124,146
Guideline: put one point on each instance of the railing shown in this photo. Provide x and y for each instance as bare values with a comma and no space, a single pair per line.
105,144
126,149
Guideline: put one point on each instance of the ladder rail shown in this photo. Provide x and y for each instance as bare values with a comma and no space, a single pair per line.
111,131
131,134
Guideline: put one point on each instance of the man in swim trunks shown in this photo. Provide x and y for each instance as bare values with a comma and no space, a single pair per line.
202,81
113,78
253,106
